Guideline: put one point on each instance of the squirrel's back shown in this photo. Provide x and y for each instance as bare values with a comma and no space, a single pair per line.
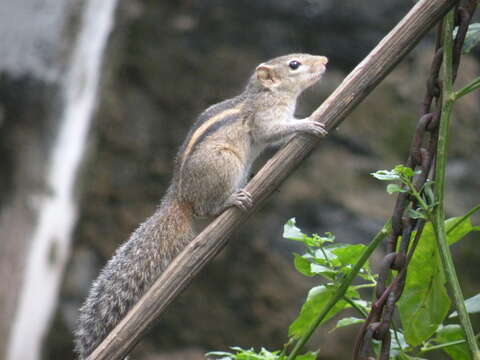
131,271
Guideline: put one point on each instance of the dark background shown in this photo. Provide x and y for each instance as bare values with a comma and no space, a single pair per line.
168,60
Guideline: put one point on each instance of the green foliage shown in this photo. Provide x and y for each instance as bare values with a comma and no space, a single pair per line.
332,262
467,89
351,320
399,172
423,306
251,354
317,298
452,334
395,188
403,174
425,302
292,232
403,356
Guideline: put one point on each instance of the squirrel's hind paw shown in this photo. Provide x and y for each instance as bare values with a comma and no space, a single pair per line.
241,199
313,127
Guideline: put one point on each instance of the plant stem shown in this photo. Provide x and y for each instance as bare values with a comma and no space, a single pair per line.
425,349
395,333
418,197
325,256
441,346
365,286
463,218
440,165
341,290
475,84
359,309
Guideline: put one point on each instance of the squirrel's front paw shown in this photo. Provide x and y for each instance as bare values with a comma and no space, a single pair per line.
241,199
315,128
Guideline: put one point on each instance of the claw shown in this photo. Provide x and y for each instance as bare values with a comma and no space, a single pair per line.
241,199
319,129
314,127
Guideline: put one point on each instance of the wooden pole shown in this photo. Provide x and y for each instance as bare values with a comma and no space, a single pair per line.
356,86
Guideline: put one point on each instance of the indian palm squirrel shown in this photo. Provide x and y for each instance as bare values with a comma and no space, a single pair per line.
211,168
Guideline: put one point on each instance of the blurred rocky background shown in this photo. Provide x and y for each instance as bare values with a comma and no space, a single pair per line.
164,62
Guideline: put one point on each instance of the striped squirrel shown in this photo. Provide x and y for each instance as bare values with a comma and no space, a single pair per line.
210,170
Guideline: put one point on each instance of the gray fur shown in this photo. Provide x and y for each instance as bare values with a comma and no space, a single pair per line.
131,271
210,171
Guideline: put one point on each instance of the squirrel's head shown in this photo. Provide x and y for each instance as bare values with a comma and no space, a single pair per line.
291,73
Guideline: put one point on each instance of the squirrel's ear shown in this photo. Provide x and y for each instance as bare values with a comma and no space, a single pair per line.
266,76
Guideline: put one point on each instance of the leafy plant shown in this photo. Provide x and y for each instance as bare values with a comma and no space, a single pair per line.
251,354
332,262
423,307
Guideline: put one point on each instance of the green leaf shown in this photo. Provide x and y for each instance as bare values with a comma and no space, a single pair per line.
451,333
324,271
365,305
325,256
302,265
386,175
472,38
218,353
424,302
403,356
395,188
247,354
457,230
415,214
307,356
427,190
348,254
346,322
292,232
472,304
307,268
320,240
316,301
403,171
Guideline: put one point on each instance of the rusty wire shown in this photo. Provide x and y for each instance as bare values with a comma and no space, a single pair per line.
421,156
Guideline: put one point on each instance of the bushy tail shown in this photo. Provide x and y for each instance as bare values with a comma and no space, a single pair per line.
131,271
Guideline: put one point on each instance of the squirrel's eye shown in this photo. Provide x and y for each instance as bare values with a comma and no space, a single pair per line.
294,64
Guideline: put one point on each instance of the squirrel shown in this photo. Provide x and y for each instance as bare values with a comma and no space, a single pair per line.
210,171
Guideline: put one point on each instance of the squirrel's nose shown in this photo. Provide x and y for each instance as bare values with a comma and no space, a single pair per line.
323,60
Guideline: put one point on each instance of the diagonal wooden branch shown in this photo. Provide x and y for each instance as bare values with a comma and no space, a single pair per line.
363,79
